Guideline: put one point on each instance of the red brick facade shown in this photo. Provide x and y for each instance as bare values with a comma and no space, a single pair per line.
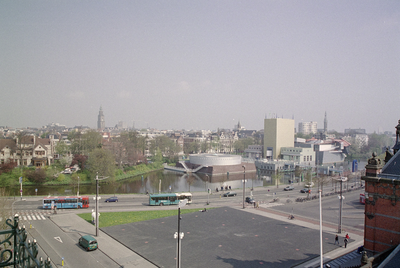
382,213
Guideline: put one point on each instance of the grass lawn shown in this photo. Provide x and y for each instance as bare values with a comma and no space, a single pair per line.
116,218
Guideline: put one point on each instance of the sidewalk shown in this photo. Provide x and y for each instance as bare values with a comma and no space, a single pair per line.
339,257
120,254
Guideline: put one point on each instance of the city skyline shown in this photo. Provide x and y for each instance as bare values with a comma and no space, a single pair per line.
200,65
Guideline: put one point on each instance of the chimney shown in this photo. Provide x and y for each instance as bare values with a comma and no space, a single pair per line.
374,167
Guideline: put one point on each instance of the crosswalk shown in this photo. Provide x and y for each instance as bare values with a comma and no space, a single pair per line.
32,215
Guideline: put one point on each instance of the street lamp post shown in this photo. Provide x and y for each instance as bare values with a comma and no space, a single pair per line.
208,190
20,181
97,203
244,183
341,197
178,235
320,229
78,187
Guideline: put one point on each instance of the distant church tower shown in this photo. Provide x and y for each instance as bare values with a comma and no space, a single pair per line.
100,121
325,134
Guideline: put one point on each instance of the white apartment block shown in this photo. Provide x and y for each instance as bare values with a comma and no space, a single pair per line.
308,127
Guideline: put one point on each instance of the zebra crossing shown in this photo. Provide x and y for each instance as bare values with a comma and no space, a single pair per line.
32,215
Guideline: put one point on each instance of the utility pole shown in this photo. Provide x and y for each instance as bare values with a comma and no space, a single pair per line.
320,230
97,203
20,181
208,190
179,235
244,182
341,197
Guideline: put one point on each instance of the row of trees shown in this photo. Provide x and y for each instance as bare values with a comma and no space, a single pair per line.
94,156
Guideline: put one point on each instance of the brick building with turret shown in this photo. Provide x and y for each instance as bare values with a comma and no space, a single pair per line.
382,203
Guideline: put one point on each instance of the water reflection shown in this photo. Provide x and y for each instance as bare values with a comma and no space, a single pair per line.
160,181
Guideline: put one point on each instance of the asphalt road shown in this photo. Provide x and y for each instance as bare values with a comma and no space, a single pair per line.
223,237
55,242
352,212
352,218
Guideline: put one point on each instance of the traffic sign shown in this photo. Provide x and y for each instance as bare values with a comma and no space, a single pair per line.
182,203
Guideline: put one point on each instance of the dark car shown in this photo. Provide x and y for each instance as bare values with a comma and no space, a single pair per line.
88,242
288,188
250,200
230,194
112,199
305,190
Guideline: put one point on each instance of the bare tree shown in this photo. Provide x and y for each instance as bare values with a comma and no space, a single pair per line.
321,180
23,146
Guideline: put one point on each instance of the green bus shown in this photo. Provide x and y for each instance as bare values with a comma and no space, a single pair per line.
168,199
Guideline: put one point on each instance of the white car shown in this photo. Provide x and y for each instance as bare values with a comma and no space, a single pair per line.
66,171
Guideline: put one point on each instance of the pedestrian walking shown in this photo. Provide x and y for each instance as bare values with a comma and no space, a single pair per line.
337,240
345,242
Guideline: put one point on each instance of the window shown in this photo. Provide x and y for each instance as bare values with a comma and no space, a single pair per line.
311,158
304,158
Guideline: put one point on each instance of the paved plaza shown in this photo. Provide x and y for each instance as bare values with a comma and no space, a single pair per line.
223,237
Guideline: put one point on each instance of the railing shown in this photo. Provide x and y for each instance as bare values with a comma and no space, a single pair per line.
185,169
24,254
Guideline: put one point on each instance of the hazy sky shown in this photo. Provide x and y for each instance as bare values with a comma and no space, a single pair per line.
200,64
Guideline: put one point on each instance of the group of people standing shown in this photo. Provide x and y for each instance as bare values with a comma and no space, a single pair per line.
346,240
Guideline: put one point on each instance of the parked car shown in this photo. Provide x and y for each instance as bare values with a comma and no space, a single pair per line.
112,199
288,188
305,190
230,194
88,242
309,185
66,171
250,200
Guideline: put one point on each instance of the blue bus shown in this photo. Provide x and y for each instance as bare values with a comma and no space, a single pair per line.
168,199
66,202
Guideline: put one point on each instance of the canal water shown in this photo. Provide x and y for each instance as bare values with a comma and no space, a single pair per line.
158,181
165,181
